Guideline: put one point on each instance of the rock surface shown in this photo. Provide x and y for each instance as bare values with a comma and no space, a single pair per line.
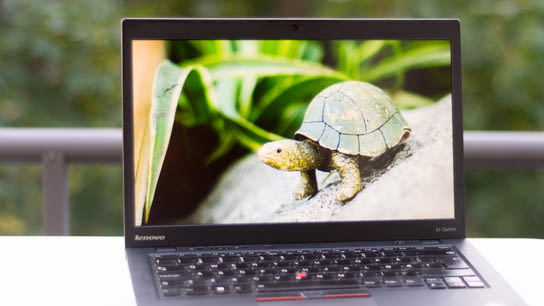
417,184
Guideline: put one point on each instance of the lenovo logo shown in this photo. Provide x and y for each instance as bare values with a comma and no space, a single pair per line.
149,237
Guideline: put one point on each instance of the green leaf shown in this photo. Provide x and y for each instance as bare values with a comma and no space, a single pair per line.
249,134
369,49
247,48
227,95
195,101
408,100
290,120
274,102
423,57
310,51
226,142
353,56
247,88
263,66
169,82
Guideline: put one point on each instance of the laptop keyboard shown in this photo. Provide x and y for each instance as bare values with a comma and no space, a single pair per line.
345,272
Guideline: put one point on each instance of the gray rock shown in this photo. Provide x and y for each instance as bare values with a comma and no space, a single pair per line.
417,184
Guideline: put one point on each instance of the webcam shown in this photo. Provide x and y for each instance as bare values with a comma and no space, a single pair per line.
294,27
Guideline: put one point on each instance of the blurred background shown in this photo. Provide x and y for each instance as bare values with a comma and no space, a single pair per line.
60,67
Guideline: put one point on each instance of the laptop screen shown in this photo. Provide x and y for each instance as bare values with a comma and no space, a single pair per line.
241,131
291,131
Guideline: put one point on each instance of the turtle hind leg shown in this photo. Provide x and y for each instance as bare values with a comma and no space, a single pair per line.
307,186
348,168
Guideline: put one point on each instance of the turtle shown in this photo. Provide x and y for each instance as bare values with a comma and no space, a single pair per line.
345,127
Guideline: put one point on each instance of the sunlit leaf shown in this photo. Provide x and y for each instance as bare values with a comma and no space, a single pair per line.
353,56
409,100
247,87
368,49
424,57
169,82
263,66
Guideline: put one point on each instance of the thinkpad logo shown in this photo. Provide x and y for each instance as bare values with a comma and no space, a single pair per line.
149,237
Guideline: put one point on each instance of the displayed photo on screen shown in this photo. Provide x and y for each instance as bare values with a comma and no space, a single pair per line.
276,131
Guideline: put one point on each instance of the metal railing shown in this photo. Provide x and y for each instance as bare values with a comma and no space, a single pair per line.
496,150
56,148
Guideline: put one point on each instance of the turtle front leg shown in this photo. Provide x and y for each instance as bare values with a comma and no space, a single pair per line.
348,168
307,186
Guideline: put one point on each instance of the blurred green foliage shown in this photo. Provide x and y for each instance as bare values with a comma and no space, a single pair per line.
59,66
96,200
20,199
59,63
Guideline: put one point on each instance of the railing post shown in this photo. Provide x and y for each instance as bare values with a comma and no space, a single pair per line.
56,205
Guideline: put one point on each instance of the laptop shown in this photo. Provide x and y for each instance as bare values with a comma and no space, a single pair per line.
297,161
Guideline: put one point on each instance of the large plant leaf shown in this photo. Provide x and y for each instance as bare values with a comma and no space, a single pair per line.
169,82
143,76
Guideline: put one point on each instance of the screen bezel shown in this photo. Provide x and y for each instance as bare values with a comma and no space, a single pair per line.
306,29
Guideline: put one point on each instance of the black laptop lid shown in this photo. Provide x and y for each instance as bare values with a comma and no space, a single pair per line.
201,97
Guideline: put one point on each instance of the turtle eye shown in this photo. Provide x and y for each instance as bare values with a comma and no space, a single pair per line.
278,151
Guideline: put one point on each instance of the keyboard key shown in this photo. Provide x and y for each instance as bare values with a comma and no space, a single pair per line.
371,283
242,288
413,281
196,289
283,278
412,272
170,276
167,261
456,264
174,268
171,292
220,289
432,251
445,273
206,260
454,282
474,282
435,283
434,265
171,283
392,282
204,274
390,274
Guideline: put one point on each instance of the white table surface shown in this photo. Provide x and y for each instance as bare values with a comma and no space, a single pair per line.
93,270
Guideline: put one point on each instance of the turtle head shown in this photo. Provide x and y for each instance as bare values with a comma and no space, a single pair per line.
286,155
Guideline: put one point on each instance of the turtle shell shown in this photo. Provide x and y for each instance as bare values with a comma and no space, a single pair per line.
355,118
